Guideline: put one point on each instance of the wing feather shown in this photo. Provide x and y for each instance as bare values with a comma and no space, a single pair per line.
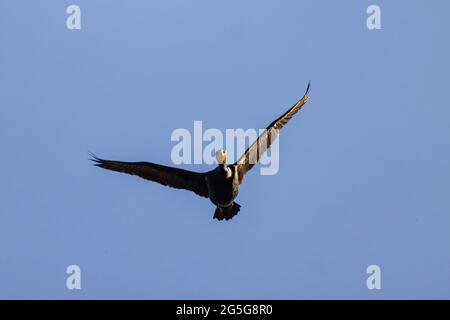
167,176
252,155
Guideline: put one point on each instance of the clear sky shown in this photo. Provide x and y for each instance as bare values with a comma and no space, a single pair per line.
364,173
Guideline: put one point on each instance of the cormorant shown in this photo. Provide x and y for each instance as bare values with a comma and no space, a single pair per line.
220,185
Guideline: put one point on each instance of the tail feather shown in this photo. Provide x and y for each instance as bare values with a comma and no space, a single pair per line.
227,213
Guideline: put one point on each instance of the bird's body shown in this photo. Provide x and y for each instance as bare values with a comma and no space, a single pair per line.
223,188
223,185
220,185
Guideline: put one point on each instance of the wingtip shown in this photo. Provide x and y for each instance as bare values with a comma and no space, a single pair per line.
308,88
94,158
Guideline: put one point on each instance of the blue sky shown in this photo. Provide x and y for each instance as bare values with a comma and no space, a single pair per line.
364,167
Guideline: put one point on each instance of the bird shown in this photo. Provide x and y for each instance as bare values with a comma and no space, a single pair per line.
220,185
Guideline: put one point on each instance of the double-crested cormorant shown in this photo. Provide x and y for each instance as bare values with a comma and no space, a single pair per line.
220,185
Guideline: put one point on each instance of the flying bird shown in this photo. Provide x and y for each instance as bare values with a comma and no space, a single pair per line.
220,185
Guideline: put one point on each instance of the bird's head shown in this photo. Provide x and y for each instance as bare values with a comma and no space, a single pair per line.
221,156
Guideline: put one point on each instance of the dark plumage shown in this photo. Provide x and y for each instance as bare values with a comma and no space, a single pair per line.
220,185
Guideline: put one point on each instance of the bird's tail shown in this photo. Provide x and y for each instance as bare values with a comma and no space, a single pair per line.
227,213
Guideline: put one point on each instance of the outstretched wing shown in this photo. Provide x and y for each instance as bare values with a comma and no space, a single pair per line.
252,155
167,176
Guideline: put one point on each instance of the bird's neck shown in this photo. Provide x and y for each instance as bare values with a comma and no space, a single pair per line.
225,170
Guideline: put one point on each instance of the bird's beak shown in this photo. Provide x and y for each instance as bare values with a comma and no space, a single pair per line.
221,156
224,157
